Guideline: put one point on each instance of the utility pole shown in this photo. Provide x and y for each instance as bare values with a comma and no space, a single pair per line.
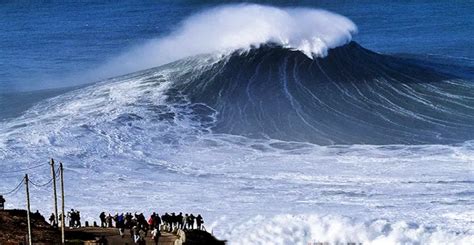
28,209
53,172
61,171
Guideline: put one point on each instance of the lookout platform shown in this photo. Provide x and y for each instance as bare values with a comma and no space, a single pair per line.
13,231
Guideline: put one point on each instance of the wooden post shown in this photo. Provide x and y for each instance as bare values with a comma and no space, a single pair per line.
61,171
28,209
55,196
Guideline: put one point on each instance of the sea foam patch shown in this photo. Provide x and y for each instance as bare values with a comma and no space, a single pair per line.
330,229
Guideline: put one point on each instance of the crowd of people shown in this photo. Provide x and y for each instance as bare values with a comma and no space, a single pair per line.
73,216
138,225
168,222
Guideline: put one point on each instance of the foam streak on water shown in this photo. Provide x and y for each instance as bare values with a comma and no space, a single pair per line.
126,147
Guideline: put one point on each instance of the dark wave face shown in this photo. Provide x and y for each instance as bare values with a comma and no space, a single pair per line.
352,96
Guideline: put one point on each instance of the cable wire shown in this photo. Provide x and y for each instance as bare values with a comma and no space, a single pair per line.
41,185
23,170
15,189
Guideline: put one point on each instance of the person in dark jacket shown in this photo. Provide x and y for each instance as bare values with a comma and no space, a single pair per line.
102,219
179,218
2,203
109,220
52,220
191,221
173,221
199,222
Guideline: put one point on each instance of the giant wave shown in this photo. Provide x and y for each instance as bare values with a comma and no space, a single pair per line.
266,128
293,74
352,96
228,28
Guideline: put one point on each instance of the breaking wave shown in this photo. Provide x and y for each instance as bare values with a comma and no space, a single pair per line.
301,113
317,229
352,96
239,27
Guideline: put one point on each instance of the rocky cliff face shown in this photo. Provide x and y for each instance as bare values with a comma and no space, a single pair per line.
14,228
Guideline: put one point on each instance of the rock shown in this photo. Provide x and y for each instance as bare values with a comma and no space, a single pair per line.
14,228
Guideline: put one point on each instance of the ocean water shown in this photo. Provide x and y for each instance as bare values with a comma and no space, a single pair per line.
279,122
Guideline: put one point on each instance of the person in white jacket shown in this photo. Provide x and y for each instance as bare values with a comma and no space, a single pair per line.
155,235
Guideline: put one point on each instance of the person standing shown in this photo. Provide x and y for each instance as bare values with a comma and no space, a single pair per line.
165,219
185,221
151,220
109,220
191,221
179,218
173,221
120,224
2,202
102,219
155,235
78,219
52,220
71,216
199,222
158,221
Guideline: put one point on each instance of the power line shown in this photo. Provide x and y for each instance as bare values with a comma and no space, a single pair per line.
41,185
31,182
14,189
23,170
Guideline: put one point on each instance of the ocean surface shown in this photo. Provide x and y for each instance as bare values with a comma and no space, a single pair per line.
281,122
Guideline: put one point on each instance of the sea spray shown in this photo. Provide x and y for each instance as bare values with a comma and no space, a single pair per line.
238,27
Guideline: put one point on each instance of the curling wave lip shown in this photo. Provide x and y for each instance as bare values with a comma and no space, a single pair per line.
239,27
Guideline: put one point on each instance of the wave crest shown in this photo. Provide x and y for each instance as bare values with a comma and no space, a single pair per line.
240,27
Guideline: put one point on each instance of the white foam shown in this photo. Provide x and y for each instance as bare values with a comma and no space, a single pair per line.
330,229
151,164
235,27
